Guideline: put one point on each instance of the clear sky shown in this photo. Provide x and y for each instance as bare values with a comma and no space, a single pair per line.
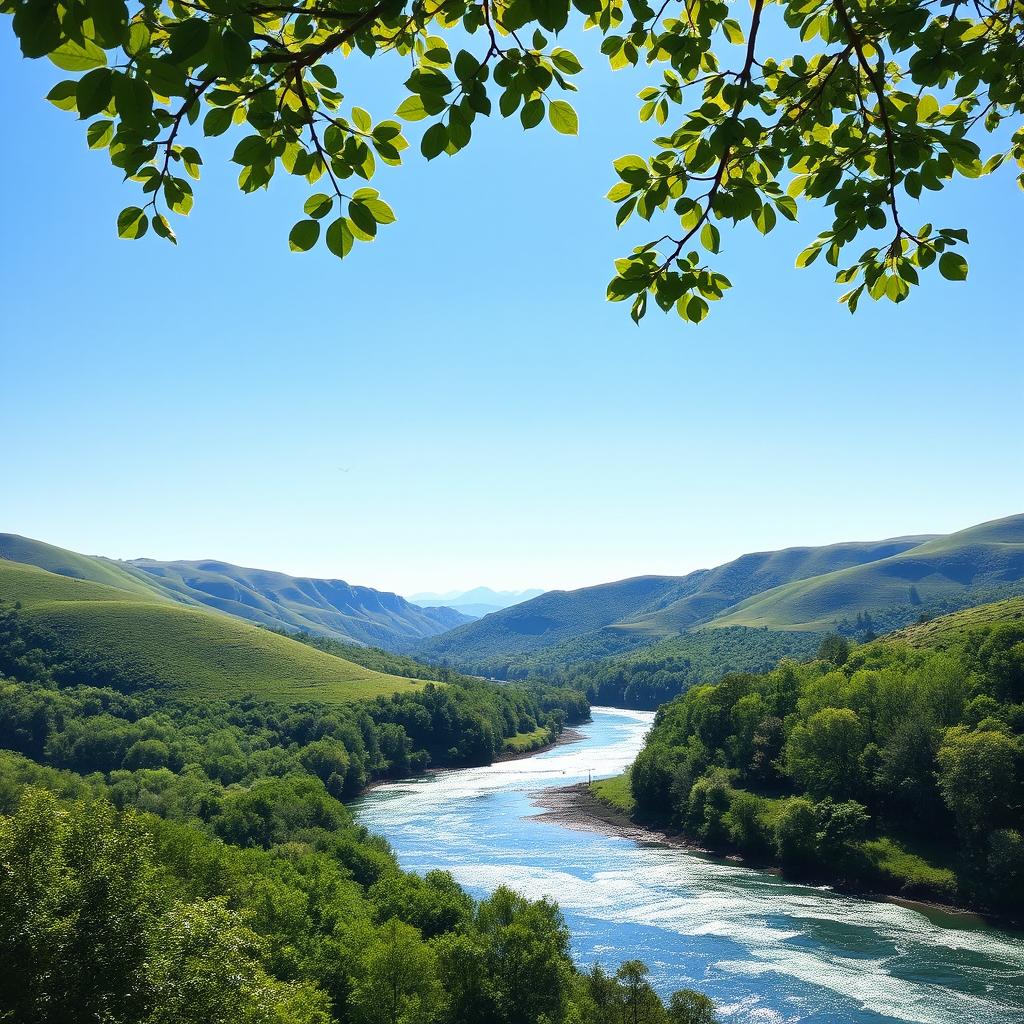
456,404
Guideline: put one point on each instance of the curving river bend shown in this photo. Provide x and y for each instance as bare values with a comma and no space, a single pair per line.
765,950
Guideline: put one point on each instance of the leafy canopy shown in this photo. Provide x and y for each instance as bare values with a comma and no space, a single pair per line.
880,101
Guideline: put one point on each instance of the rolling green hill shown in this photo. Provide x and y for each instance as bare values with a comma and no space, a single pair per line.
71,564
562,628
970,567
950,630
751,574
297,604
118,634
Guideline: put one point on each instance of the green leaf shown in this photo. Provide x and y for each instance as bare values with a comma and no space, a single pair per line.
696,309
82,56
362,218
163,229
99,134
566,62
132,223
382,213
217,121
732,31
434,140
552,14
304,235
466,65
253,149
927,105
134,99
189,38
532,113
953,267
563,118
339,238
808,256
64,95
110,19
95,91
236,53
411,109
318,205
710,237
632,168
325,75
764,219
138,39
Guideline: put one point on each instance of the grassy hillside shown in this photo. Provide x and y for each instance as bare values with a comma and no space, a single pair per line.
71,564
965,568
755,573
33,587
295,604
564,628
950,630
189,651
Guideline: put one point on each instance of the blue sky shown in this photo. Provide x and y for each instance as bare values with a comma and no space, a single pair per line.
456,404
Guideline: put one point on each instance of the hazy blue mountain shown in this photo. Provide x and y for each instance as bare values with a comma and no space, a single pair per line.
477,602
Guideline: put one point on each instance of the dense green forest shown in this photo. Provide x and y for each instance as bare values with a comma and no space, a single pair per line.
61,709
887,765
649,677
197,856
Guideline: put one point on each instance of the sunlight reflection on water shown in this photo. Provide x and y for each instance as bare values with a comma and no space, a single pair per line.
765,950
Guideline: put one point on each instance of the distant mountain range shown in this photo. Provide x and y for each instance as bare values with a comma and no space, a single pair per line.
853,587
331,608
479,601
628,635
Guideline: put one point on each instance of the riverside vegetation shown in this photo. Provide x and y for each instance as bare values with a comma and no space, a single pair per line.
196,855
896,765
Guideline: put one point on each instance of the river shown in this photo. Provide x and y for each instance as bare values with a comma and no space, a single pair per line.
765,950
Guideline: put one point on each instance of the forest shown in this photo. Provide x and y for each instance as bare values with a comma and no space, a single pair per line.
880,766
198,856
649,677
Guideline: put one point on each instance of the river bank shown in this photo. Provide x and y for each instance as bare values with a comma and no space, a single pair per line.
764,948
570,734
577,807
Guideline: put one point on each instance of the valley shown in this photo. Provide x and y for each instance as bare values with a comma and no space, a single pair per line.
823,753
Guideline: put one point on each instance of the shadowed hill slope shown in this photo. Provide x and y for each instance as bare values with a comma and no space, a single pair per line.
328,607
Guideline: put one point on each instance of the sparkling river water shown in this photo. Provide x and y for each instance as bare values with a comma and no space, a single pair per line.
765,950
